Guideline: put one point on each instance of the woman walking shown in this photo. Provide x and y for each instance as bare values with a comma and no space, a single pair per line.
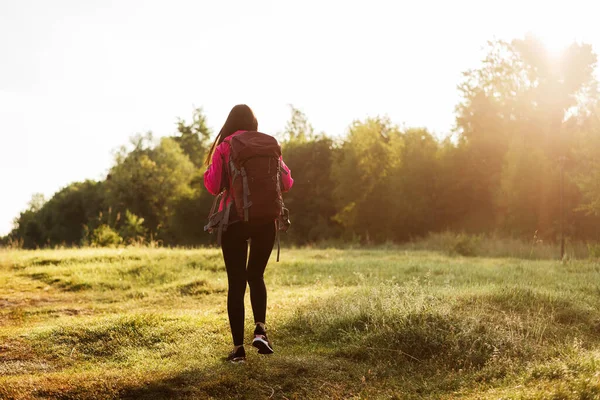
240,229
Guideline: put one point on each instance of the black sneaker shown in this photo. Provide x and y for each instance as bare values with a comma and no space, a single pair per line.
261,342
237,356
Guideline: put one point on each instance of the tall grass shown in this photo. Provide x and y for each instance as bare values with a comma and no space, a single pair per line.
403,323
499,246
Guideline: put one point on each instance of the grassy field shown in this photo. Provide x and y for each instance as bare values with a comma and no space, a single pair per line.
381,324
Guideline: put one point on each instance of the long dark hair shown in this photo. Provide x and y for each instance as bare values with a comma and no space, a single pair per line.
241,118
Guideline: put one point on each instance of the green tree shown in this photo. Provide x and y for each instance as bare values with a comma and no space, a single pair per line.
521,94
298,129
585,173
149,181
415,186
455,189
64,216
193,138
310,202
190,215
363,173
27,226
526,175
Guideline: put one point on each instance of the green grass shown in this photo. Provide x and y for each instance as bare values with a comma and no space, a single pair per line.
354,323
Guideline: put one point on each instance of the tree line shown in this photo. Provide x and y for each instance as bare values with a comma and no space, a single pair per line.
522,160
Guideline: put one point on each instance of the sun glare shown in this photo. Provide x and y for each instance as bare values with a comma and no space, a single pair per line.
555,33
555,42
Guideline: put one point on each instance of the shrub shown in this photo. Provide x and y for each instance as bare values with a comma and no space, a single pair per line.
133,230
105,236
464,245
593,250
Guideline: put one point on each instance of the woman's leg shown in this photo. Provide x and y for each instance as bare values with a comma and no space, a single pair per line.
235,250
261,246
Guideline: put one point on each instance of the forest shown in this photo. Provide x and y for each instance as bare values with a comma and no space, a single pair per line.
521,161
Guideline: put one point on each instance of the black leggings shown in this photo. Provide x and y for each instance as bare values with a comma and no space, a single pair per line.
235,252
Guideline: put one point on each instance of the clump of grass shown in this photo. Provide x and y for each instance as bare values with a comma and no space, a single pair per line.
207,261
571,375
110,337
561,308
400,324
198,287
116,270
67,284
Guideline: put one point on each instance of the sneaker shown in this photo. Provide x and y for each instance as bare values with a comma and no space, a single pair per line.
237,356
261,342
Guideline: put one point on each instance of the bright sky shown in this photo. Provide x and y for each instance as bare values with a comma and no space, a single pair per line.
78,78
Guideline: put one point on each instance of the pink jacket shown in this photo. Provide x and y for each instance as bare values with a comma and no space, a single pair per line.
212,176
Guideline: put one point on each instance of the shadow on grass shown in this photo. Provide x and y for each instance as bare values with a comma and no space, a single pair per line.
259,378
62,284
197,288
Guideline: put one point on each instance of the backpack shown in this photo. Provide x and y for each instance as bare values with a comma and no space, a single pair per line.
255,171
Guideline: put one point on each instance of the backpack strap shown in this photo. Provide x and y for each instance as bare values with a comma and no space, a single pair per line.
247,203
229,172
278,225
233,171
277,235
224,174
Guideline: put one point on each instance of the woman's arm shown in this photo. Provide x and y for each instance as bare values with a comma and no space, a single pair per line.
214,173
286,176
